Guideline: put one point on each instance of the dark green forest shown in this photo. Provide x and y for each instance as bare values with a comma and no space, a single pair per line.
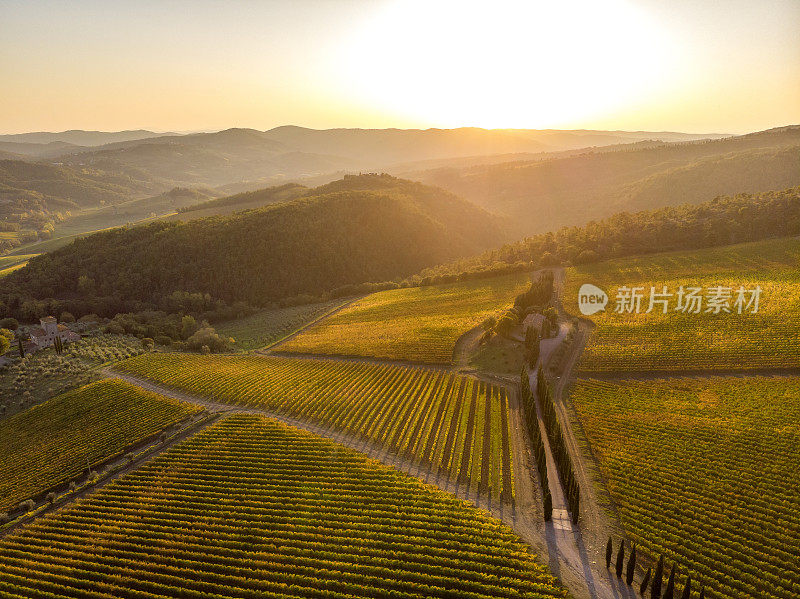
385,229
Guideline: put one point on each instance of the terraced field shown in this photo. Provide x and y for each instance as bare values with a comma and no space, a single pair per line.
253,508
419,324
706,472
435,418
769,338
57,440
268,326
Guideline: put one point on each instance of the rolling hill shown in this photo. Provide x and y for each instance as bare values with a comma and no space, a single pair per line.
79,137
546,194
371,228
210,159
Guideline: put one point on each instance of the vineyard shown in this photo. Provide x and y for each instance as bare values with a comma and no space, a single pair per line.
253,508
268,326
769,338
455,424
59,439
705,471
419,324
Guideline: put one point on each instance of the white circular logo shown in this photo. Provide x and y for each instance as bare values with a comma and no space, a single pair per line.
591,299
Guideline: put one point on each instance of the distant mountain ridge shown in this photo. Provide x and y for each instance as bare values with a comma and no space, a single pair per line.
79,137
543,195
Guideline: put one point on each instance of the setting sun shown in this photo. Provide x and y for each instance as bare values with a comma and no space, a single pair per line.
518,64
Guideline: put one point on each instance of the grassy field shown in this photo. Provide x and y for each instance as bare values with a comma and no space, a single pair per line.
9,269
9,264
59,439
419,324
268,326
676,340
252,508
455,424
706,472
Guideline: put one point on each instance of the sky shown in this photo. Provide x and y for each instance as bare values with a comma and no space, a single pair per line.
726,66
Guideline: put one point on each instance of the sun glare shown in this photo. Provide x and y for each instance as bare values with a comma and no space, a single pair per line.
506,64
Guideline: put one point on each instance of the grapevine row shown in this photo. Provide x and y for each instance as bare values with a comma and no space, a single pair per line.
69,434
420,414
252,508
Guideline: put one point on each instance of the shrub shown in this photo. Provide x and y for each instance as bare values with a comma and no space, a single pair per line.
207,337
9,323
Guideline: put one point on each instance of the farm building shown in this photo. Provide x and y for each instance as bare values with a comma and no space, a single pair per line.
46,334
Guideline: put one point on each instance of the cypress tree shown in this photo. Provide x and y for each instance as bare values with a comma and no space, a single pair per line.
548,506
609,552
631,566
643,586
687,590
620,558
669,593
658,579
21,348
577,509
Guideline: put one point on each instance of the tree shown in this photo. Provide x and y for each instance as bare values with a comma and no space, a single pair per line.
669,593
21,347
658,579
548,505
620,558
9,323
66,317
609,552
631,566
147,343
5,344
645,581
687,590
188,326
208,338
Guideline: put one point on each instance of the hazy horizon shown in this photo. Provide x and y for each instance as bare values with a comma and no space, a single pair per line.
731,67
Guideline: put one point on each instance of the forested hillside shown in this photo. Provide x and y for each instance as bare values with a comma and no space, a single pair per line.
546,194
376,228
721,221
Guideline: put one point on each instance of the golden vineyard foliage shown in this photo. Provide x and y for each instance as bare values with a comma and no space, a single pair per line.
420,324
676,341
59,439
705,471
455,425
250,507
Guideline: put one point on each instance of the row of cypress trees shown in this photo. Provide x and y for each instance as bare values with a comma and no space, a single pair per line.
532,424
657,576
555,435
